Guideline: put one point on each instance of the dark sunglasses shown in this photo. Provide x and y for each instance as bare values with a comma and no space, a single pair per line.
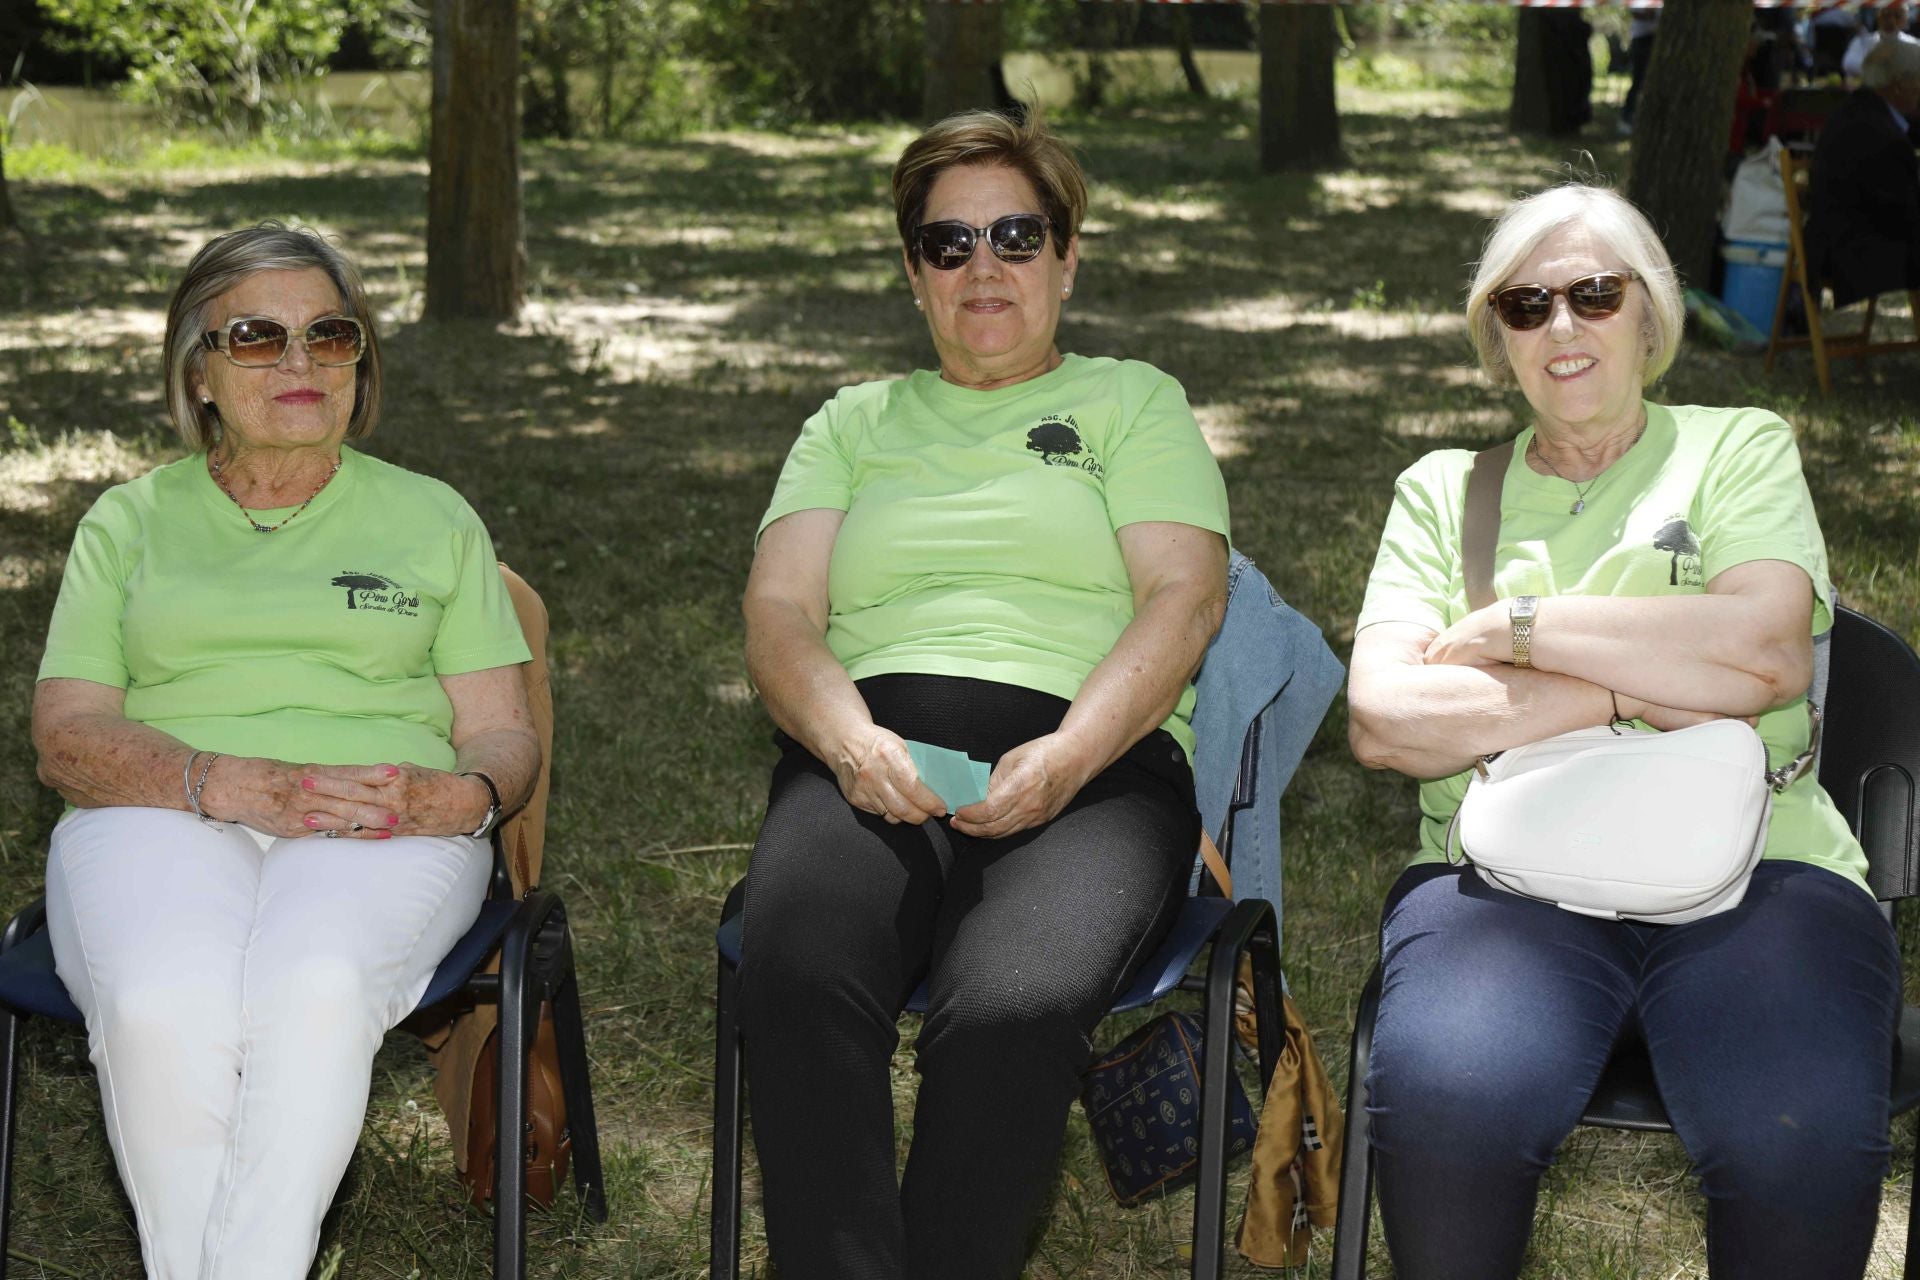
255,342
1594,297
1016,238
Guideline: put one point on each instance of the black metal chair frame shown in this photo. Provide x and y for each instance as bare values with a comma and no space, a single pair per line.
536,964
1248,927
1870,765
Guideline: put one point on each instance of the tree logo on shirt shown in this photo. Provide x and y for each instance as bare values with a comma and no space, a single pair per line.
378,593
1056,438
1676,538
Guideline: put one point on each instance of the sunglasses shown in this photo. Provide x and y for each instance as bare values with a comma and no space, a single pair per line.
1594,297
255,342
1016,238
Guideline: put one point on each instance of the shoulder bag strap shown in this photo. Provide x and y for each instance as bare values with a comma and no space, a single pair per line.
1480,526
1479,536
1216,865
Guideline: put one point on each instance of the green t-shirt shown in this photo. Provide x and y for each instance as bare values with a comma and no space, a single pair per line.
321,642
980,539
1703,491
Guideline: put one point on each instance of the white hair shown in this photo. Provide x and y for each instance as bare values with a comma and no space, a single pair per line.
1889,63
1614,221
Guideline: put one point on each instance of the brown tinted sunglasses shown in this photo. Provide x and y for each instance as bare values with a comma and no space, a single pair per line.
1594,297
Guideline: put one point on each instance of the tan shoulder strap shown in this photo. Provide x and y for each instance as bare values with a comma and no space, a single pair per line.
1480,524
1216,865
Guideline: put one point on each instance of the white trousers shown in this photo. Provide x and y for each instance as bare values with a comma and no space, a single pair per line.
236,987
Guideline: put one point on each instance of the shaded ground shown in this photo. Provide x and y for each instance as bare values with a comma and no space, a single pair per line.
693,303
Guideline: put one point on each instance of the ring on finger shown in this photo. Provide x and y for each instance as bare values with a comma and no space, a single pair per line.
354,826
331,834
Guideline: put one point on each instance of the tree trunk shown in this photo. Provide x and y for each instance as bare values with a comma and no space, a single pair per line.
1530,106
1552,73
476,260
611,47
1183,40
963,52
1678,166
7,221
1299,123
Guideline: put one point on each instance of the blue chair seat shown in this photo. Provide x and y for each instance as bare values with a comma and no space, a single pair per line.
28,984
468,954
1198,920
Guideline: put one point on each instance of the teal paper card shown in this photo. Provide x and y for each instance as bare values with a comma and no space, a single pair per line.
956,778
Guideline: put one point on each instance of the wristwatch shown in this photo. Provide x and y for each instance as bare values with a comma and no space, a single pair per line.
1520,615
488,823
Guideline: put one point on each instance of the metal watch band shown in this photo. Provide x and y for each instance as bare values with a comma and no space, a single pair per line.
1520,618
492,818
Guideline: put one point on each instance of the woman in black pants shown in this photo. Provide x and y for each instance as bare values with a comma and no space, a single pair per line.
1018,557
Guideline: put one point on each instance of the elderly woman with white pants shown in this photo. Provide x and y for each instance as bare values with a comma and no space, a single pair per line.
239,929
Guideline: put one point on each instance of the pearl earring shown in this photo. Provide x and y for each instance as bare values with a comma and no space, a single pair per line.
916,301
1066,291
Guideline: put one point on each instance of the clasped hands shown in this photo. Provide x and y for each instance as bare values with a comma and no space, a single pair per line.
359,802
1029,785
1484,638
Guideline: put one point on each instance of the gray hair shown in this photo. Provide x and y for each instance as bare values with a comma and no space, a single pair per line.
222,264
1889,63
1618,225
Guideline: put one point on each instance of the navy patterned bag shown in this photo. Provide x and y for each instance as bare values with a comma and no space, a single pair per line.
1142,1100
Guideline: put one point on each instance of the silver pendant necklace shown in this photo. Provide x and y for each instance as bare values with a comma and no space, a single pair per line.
1579,494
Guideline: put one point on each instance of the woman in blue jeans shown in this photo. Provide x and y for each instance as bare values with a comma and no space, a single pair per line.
1661,564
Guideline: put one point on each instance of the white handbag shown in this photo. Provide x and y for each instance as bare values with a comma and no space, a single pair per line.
1614,822
1624,823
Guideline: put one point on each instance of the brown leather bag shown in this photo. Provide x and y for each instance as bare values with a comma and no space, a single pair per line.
465,1050
548,1144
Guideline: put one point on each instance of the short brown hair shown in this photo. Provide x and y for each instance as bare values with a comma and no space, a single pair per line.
222,263
985,138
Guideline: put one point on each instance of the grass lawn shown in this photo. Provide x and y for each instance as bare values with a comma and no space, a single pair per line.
691,304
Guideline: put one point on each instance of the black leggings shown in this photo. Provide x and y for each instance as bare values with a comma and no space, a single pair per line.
1024,942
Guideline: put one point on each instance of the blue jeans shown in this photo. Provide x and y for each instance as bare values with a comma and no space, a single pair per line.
1770,1028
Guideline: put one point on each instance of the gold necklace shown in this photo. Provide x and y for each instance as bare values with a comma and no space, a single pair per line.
1579,494
213,465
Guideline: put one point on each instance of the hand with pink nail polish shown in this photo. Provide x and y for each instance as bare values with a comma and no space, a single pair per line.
397,800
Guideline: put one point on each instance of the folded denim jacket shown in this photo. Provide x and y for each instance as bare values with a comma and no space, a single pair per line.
1264,686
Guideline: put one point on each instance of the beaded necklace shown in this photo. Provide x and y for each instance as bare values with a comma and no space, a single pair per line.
213,465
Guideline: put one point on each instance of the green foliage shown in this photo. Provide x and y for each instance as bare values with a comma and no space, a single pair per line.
236,65
627,53
781,61
1469,69
1433,20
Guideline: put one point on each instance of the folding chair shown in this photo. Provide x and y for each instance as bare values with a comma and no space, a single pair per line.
1794,175
529,936
1225,930
1870,765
